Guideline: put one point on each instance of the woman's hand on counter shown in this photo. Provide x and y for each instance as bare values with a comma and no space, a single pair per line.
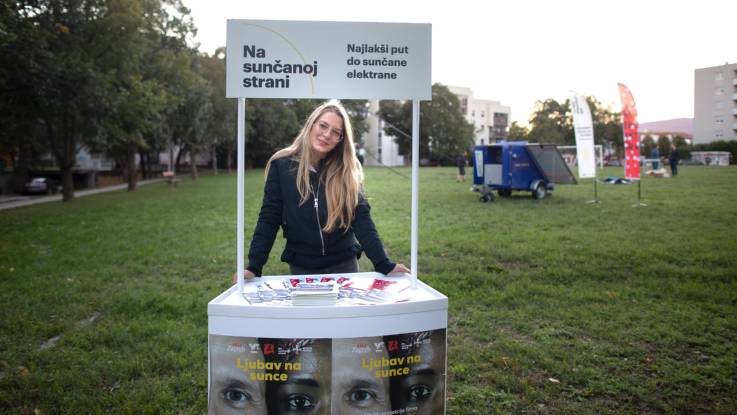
400,269
247,275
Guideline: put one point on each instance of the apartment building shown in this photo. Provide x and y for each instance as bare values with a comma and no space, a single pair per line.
715,104
380,148
490,118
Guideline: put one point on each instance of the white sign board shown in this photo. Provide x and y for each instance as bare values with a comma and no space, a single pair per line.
299,59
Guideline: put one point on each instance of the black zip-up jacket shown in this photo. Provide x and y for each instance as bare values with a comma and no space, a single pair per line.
308,246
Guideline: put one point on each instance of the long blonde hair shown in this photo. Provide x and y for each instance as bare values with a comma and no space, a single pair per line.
342,175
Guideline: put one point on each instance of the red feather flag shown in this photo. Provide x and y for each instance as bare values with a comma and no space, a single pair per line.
631,134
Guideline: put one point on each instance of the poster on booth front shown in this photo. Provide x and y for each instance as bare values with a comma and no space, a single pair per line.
380,375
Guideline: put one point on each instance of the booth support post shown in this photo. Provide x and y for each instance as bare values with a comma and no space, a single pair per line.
240,266
596,194
639,194
415,187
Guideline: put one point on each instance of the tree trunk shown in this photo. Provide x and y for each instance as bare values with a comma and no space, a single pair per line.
180,153
20,170
171,165
230,159
65,156
67,183
214,161
67,162
193,161
143,165
131,171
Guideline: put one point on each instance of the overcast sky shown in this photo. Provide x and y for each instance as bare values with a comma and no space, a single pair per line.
520,51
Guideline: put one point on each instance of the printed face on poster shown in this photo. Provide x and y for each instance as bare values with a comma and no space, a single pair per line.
299,59
381,375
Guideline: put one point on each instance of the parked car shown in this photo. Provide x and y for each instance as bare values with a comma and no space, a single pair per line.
40,185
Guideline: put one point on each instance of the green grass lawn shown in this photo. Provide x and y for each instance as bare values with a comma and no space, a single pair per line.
556,306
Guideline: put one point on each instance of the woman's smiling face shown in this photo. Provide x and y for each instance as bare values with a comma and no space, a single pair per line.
326,134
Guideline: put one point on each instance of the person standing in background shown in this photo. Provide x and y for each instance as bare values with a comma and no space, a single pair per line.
655,157
673,160
461,162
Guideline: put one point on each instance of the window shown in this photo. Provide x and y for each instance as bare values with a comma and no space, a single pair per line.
719,91
719,76
718,108
500,119
473,113
718,133
482,114
719,120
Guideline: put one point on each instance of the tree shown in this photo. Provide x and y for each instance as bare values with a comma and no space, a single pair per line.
664,144
398,122
222,123
684,149
607,126
445,126
517,132
21,45
272,124
647,145
64,84
357,109
135,97
551,123
679,141
444,131
188,121
80,74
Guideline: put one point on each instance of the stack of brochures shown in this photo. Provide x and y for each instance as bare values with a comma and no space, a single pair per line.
315,293
377,290
323,290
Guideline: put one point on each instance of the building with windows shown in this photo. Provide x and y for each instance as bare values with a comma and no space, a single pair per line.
379,147
715,104
489,118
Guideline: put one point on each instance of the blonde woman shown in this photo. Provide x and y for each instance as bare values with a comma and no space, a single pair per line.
314,192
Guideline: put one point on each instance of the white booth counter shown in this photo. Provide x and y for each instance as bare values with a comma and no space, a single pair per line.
426,309
348,358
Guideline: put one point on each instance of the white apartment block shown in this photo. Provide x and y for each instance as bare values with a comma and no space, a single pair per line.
379,148
715,104
490,118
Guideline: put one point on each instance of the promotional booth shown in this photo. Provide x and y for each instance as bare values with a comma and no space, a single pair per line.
360,343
